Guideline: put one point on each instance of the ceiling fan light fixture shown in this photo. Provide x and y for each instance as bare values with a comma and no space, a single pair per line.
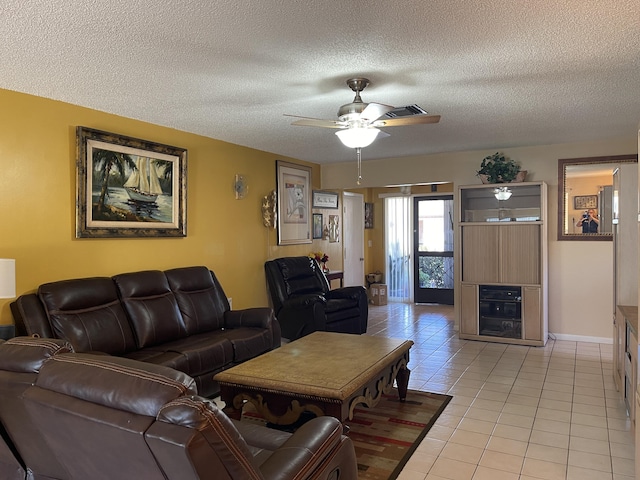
357,137
502,193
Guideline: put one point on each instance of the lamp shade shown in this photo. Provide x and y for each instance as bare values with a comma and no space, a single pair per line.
357,137
7,278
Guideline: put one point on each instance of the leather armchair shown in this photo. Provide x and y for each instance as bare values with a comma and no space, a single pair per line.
303,302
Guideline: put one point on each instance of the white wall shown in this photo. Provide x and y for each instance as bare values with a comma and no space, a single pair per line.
580,294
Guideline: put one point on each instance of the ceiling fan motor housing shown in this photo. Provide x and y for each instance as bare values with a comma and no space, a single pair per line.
352,111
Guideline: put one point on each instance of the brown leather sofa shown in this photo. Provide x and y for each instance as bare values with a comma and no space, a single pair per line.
20,361
106,417
178,318
304,303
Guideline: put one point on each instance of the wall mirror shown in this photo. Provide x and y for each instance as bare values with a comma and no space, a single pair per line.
585,197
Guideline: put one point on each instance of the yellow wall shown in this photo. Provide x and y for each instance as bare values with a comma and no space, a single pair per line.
37,204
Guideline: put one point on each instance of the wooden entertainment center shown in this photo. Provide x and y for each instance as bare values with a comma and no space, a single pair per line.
503,263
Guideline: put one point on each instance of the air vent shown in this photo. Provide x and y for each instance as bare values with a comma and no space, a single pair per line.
407,111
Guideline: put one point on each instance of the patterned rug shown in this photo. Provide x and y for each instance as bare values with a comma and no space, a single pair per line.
386,436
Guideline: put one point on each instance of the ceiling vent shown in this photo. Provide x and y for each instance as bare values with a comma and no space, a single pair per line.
407,111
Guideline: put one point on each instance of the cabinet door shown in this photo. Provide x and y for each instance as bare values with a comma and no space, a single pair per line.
469,309
531,313
520,254
632,347
618,350
480,254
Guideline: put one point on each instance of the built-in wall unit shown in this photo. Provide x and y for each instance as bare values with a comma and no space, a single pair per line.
502,262
637,402
625,262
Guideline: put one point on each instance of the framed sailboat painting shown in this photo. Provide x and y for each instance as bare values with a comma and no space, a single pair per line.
129,187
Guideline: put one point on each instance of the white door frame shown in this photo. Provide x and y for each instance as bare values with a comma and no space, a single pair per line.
353,238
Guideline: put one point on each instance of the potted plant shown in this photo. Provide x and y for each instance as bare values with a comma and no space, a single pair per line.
497,168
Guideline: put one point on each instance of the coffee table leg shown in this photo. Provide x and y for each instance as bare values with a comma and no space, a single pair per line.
402,380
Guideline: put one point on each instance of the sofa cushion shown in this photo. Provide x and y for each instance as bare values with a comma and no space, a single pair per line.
151,306
335,305
88,314
248,342
203,352
158,356
200,297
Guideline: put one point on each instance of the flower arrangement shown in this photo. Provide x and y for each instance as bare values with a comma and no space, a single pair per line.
320,257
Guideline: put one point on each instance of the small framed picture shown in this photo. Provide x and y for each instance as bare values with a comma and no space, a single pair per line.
317,226
325,199
368,215
293,203
581,202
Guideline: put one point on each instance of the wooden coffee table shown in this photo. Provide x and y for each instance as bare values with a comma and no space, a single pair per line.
323,373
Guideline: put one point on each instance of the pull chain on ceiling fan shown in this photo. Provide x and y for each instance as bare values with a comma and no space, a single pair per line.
359,123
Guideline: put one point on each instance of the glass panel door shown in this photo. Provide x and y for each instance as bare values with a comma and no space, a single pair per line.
433,249
398,247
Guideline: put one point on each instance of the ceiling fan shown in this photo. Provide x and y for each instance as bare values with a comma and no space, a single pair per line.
359,122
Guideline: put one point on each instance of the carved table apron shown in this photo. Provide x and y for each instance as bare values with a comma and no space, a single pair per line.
324,373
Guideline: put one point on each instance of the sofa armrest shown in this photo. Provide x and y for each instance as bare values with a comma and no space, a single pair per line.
305,450
30,317
259,317
354,293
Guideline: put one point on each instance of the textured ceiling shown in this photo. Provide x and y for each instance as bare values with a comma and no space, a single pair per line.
501,73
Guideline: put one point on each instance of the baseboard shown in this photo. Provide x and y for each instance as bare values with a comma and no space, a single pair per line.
580,338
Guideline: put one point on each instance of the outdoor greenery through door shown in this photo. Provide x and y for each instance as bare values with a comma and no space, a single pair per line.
433,249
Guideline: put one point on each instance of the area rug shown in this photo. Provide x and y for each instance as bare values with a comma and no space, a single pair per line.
386,436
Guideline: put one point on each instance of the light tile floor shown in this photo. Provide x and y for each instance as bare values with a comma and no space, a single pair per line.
518,413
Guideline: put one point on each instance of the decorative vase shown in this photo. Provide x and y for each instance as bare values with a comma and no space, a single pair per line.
325,269
522,175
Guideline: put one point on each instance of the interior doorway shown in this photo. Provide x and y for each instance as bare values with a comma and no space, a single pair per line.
433,249
353,249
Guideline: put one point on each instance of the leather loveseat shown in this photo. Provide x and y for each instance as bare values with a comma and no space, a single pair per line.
70,416
178,318
304,303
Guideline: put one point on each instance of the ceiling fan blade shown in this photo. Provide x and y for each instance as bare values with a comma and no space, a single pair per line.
375,110
398,122
316,122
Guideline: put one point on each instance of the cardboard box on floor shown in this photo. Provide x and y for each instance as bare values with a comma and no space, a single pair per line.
378,293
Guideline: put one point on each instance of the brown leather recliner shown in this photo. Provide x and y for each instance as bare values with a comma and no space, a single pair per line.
111,417
304,303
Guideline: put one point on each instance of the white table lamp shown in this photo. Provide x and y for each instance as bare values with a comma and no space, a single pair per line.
7,278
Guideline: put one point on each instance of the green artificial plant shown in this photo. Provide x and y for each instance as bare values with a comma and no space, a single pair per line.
498,168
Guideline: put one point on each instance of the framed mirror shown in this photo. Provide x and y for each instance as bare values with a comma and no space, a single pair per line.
585,197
